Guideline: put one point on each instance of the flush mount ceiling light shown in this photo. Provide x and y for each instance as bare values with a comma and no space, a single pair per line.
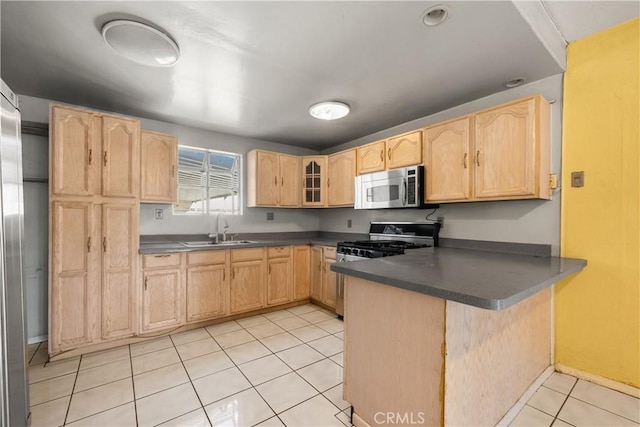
329,110
141,43
435,15
515,82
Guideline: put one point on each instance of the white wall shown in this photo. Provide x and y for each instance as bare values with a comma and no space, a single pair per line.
524,221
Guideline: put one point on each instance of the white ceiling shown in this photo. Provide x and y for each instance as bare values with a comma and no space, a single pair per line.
254,68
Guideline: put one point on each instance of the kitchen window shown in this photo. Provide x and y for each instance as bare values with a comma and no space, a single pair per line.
208,182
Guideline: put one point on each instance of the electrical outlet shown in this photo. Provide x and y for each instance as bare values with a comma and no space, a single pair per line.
159,213
577,179
441,221
270,216
349,223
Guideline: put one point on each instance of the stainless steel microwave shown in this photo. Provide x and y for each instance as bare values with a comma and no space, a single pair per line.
396,188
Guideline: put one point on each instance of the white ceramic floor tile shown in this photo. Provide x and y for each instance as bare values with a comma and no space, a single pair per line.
303,309
50,414
197,348
344,418
316,316
145,347
547,400
607,399
322,375
103,374
560,423
247,352
207,364
265,330
339,335
234,338
529,416
560,382
121,416
277,315
580,413
159,379
271,422
329,345
189,336
309,333
252,321
223,328
52,389
333,326
155,360
280,342
335,396
52,370
285,392
197,418
290,323
264,369
243,409
314,412
40,356
100,399
338,358
102,358
220,385
299,356
166,405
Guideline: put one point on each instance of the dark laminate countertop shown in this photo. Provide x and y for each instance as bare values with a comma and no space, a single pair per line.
482,279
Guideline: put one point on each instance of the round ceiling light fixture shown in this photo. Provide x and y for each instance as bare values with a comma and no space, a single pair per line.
515,82
435,15
141,43
329,110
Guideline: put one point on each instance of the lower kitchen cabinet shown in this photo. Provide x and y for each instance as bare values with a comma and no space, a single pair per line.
207,292
162,300
301,270
247,279
279,281
316,273
328,283
323,280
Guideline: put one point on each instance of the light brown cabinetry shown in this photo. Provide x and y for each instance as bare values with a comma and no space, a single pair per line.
316,273
207,287
404,150
323,280
371,157
247,279
314,184
328,283
158,169
272,179
279,275
342,171
162,300
120,156
301,271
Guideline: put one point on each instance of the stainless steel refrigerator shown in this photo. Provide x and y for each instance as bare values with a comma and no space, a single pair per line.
14,392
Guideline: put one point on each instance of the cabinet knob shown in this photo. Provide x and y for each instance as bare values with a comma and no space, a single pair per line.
104,244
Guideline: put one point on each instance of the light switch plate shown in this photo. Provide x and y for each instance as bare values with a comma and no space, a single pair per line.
159,214
270,216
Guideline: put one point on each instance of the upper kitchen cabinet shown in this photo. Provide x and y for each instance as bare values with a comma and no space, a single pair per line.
314,173
94,154
447,148
158,177
371,157
512,150
404,150
272,179
340,183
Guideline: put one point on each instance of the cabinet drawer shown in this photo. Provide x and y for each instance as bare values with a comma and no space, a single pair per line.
210,257
279,251
247,254
160,261
330,252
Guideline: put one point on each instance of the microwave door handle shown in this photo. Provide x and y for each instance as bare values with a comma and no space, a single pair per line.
369,192
404,192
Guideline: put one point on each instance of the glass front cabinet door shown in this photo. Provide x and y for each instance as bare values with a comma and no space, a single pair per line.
314,180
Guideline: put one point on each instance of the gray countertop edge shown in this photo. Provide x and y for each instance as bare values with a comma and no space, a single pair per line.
159,248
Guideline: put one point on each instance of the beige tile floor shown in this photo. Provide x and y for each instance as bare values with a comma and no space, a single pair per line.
282,368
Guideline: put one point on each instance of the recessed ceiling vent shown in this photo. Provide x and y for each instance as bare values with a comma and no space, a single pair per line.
435,15
141,43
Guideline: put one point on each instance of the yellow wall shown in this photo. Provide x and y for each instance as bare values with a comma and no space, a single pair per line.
598,310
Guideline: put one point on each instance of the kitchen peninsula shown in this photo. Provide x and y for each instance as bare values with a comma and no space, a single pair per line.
445,336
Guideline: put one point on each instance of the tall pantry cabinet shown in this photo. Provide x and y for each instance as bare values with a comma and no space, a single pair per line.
94,207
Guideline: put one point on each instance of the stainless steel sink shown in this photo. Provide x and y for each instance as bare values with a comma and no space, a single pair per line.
206,243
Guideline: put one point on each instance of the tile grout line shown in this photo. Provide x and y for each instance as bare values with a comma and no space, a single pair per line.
133,386
598,407
66,415
563,403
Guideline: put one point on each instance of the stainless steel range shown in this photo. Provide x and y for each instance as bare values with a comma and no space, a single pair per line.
385,239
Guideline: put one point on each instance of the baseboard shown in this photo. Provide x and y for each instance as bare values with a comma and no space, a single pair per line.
41,338
596,379
517,407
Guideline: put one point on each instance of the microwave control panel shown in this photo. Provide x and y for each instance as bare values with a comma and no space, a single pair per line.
411,187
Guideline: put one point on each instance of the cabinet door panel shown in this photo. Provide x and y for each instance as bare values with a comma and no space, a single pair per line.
301,268
267,178
371,157
74,152
119,245
448,160
342,171
316,273
158,153
207,292
404,150
314,177
162,300
120,157
328,284
289,180
279,281
505,152
75,285
247,285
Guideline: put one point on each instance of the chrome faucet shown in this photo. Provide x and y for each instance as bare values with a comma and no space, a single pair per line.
216,236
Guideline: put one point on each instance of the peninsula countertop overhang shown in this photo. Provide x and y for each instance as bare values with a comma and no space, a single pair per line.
488,280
